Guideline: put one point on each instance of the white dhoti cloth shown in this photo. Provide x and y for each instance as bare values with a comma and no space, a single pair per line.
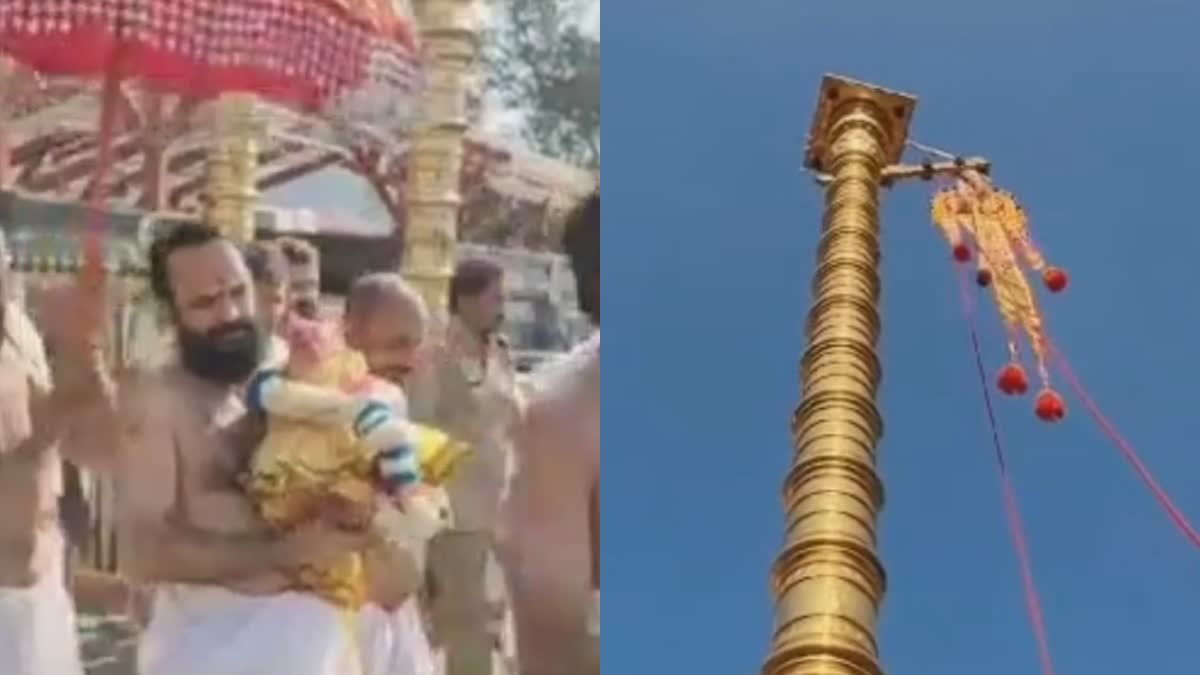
207,630
394,643
37,629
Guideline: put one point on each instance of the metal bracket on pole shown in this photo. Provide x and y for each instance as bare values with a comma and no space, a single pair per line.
924,171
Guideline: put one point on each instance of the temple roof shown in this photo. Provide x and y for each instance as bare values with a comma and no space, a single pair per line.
161,145
46,236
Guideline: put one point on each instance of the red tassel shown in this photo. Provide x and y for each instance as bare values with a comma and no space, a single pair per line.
1012,380
1049,406
1055,279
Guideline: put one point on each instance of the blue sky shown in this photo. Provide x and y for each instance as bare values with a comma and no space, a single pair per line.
710,228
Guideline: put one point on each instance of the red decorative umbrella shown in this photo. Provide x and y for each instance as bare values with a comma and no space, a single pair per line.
332,58
305,53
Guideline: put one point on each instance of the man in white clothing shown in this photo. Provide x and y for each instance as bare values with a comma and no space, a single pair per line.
37,618
177,438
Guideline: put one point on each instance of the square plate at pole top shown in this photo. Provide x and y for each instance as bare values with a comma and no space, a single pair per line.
836,89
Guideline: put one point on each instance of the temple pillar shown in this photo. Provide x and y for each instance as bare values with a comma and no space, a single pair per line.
450,43
231,192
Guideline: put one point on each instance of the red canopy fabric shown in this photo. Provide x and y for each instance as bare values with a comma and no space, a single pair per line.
332,57
303,53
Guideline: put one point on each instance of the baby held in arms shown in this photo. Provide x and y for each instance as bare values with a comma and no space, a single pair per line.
340,448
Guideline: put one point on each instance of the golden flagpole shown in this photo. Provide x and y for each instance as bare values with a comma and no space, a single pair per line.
828,581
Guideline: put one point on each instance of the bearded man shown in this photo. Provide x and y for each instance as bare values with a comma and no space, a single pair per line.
178,437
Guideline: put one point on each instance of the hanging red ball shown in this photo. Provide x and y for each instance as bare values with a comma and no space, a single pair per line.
1012,380
1055,279
983,278
961,253
1049,406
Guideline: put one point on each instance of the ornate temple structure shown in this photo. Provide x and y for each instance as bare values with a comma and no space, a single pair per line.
162,172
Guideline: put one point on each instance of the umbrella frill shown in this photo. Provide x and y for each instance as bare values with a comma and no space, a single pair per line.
308,54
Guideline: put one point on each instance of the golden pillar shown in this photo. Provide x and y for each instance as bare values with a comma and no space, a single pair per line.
231,190
828,581
450,41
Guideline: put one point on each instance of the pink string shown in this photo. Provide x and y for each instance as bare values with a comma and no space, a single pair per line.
1033,605
1127,450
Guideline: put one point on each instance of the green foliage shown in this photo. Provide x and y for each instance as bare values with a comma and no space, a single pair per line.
540,62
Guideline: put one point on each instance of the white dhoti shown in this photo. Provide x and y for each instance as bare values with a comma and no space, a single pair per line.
207,630
37,629
394,643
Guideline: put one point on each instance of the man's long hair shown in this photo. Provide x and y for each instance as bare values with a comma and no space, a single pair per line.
184,235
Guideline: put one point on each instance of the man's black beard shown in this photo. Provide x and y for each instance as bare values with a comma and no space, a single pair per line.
227,354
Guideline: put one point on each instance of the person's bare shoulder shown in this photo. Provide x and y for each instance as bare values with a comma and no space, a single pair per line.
573,381
147,395
547,422
562,412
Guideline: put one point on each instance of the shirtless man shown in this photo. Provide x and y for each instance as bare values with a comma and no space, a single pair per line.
385,320
178,439
550,532
37,619
304,276
468,388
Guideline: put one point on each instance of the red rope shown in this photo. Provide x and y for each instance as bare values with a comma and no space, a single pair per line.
1033,604
92,270
1160,495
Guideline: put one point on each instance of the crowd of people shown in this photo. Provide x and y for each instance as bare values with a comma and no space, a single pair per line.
510,585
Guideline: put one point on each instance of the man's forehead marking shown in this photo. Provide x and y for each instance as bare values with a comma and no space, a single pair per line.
224,278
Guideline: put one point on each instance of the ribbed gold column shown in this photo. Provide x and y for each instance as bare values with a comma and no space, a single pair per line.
451,50
828,580
231,190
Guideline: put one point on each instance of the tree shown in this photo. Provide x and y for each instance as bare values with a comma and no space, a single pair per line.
541,63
